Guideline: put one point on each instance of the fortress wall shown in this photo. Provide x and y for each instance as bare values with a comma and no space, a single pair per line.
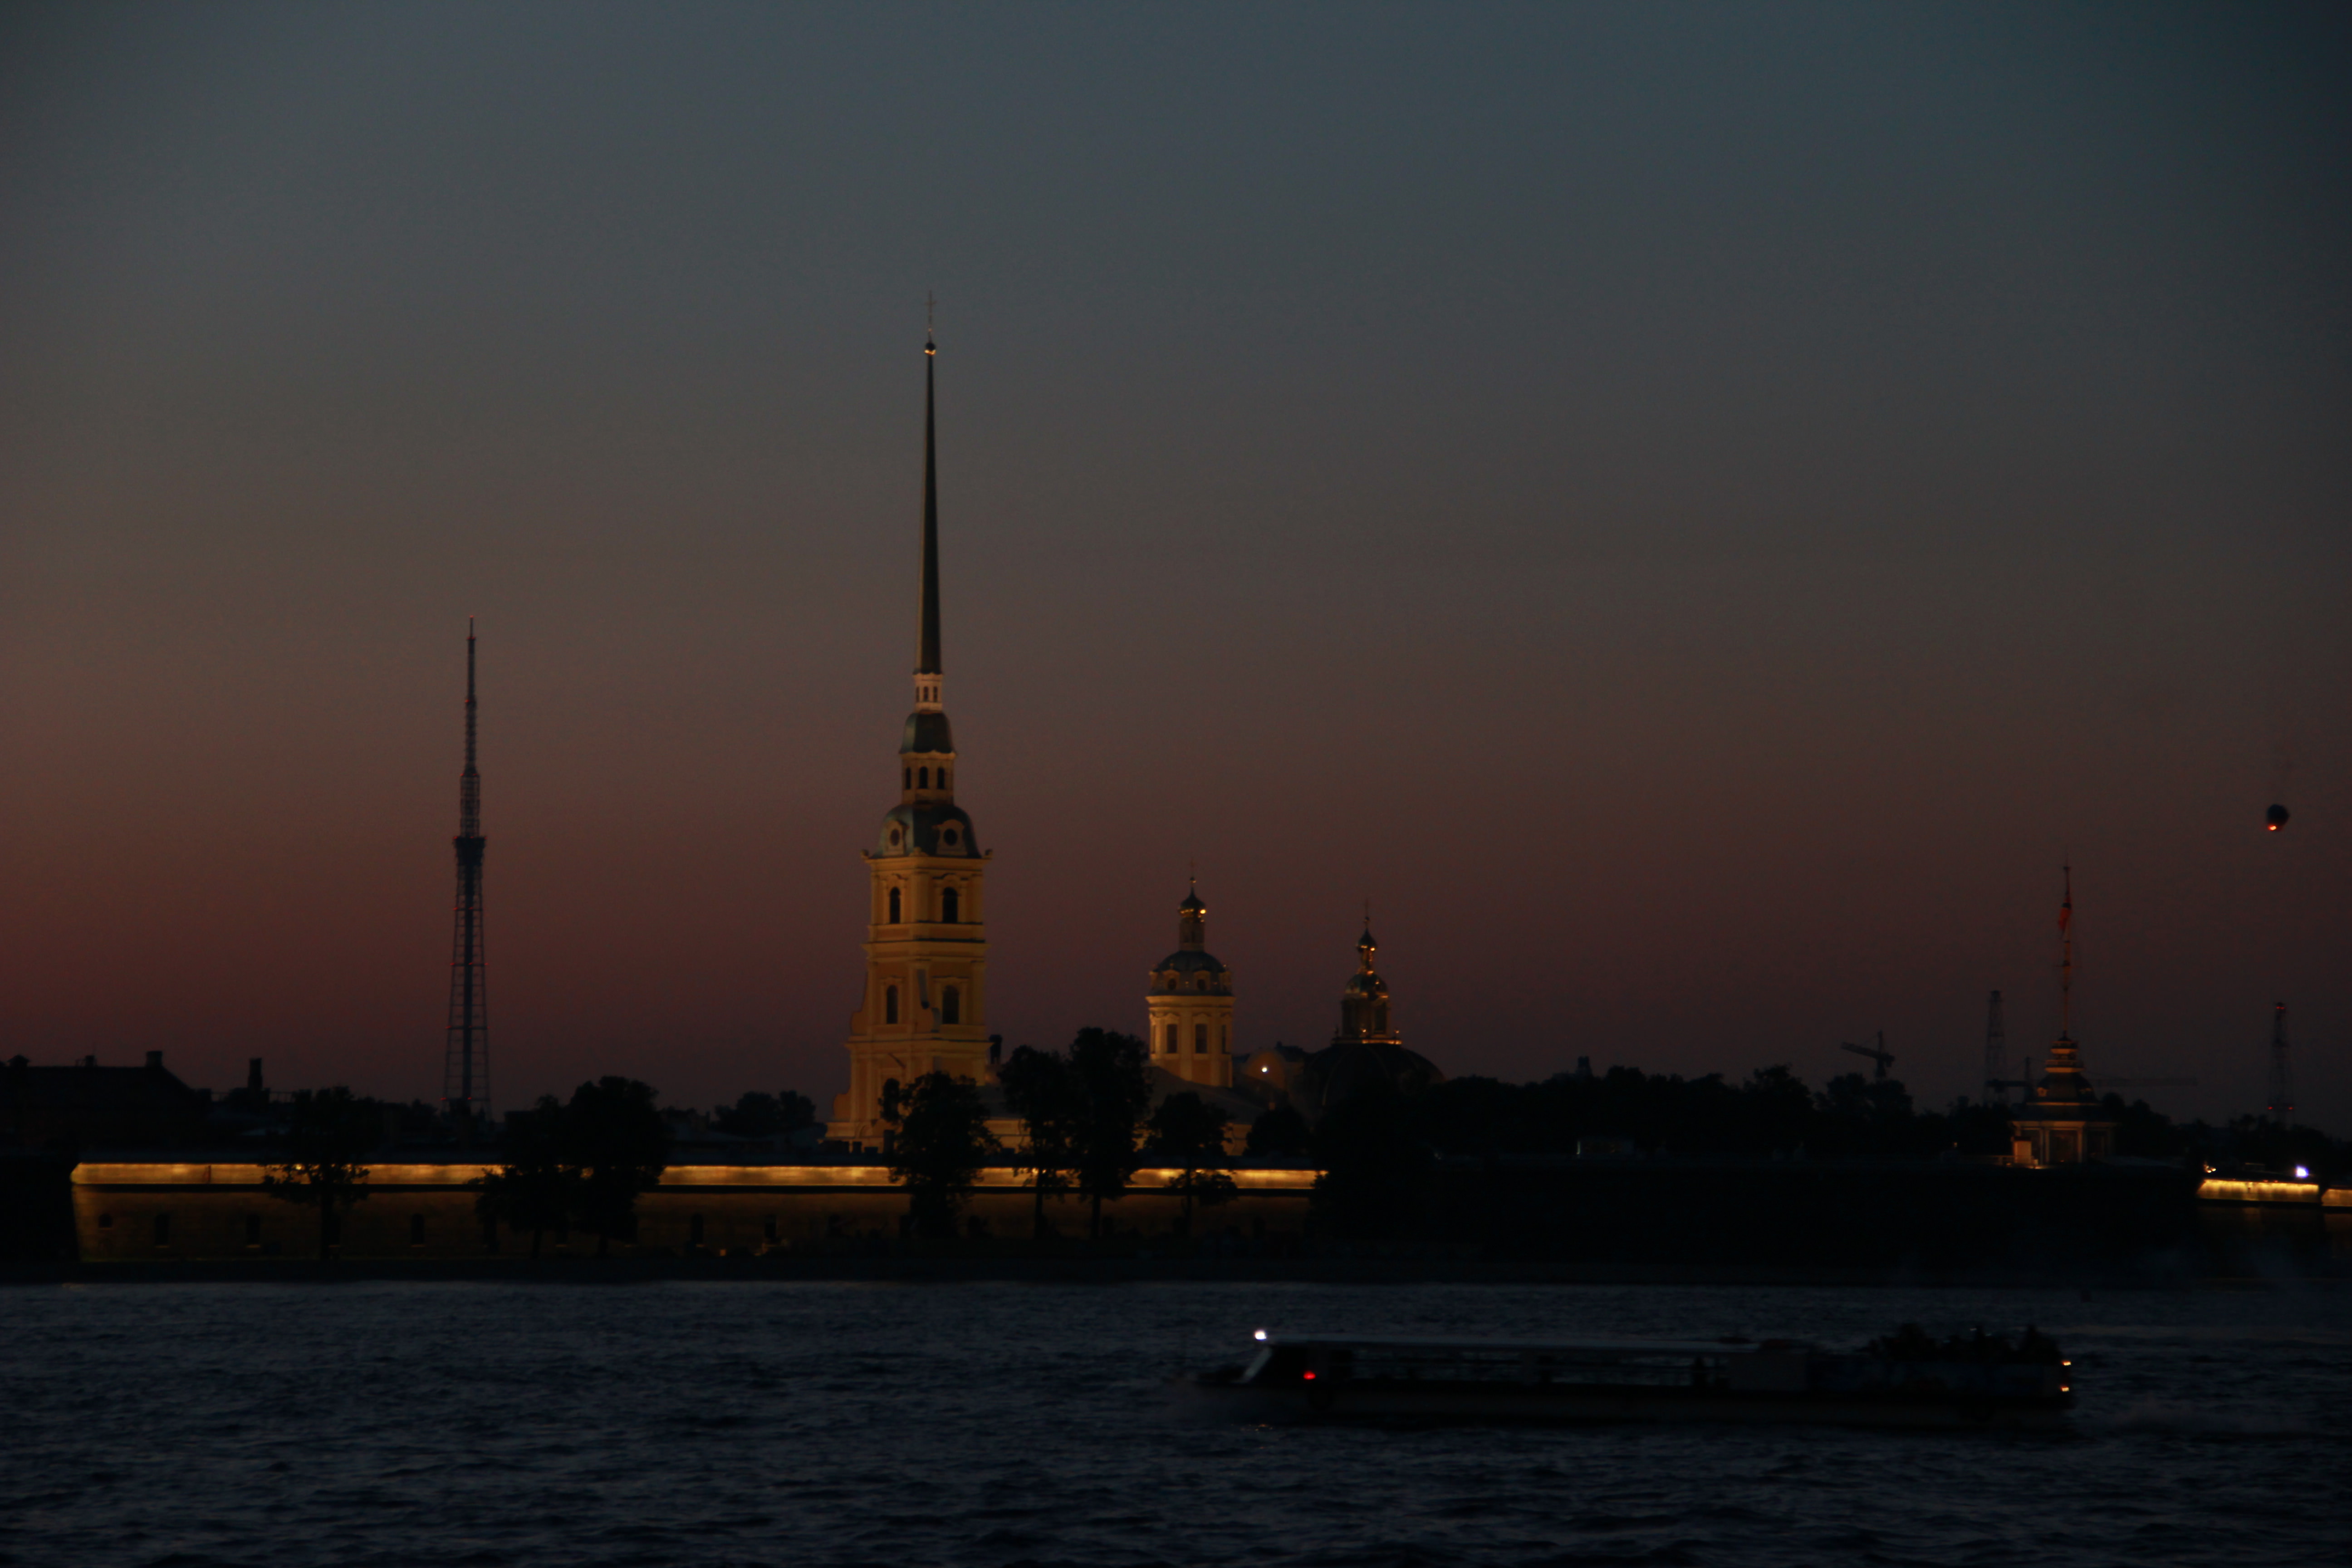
215,1212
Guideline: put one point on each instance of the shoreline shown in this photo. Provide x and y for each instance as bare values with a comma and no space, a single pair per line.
1079,1271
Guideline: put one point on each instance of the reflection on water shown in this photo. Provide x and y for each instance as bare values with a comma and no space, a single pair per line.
996,1423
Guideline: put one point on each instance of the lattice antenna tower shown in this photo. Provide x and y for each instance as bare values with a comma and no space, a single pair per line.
466,1073
2282,1100
1996,1052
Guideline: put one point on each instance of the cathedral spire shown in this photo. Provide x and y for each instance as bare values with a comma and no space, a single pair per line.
927,654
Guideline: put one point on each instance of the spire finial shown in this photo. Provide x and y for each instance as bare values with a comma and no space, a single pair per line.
2066,955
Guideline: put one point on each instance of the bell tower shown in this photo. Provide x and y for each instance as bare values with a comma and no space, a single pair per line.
925,1004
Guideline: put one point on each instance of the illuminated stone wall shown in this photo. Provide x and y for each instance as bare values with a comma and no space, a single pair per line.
213,1212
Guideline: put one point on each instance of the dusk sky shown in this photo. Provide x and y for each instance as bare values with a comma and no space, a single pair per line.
1696,510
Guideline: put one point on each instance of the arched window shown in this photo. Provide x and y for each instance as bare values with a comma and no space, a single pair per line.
922,778
1169,1041
943,778
1224,1037
951,1006
950,904
890,992
1200,1039
894,921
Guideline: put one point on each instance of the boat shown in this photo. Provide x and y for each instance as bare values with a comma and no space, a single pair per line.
1906,1380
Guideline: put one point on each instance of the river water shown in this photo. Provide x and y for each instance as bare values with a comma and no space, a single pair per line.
812,1424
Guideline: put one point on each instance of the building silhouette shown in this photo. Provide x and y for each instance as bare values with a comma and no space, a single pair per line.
1365,1051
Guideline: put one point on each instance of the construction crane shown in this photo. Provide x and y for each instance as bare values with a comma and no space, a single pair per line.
1878,1054
2023,1083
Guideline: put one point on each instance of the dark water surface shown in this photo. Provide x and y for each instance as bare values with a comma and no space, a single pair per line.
696,1423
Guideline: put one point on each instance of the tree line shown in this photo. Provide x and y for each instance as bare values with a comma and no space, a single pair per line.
578,1163
1087,1126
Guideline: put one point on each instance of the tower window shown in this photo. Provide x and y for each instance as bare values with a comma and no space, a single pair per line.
943,778
894,907
951,1006
1200,1039
890,992
910,778
922,778
950,904
1168,1042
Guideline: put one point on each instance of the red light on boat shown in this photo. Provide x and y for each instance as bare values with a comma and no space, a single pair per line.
1308,1375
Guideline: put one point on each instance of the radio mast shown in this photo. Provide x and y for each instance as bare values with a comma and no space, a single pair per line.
466,1074
2281,1105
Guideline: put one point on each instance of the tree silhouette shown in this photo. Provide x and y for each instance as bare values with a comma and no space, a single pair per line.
940,1144
758,1115
535,1190
1281,1130
1111,1074
1376,1169
1039,1088
1189,1134
326,1131
614,1138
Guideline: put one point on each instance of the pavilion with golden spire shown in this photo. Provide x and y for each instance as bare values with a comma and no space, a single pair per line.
2062,1123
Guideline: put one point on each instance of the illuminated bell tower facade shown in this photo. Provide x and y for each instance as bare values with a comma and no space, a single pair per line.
1190,1004
925,1006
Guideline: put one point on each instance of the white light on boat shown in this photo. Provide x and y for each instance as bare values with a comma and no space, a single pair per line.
2303,1172
1260,1334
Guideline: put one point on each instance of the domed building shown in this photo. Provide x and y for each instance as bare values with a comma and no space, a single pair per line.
1190,1004
1365,1051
